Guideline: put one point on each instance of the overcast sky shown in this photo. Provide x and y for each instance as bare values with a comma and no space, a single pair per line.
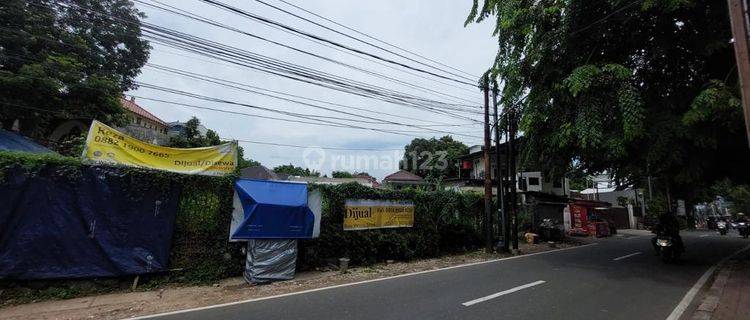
428,27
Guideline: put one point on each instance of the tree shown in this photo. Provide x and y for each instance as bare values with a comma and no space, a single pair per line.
59,61
341,174
632,88
292,170
737,194
433,158
242,162
192,137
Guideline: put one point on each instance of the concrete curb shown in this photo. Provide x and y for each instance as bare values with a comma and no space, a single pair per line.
708,306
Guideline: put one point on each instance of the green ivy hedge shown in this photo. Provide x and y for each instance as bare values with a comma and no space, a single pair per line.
200,251
445,222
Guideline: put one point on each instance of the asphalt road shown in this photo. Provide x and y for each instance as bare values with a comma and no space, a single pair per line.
617,278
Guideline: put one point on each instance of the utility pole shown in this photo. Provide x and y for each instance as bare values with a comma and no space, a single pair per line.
499,176
738,18
512,173
487,170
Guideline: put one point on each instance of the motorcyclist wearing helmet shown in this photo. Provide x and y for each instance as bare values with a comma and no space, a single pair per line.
668,226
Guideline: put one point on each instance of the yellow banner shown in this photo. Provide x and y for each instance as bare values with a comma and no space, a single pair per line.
376,214
107,145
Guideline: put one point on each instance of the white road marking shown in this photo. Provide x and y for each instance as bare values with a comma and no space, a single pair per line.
703,235
690,295
151,316
626,256
502,293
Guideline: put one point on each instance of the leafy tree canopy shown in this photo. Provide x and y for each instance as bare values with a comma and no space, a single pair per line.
737,194
57,60
193,138
242,162
433,158
341,174
632,88
290,169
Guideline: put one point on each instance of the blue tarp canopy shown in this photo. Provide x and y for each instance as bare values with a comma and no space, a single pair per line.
265,209
11,141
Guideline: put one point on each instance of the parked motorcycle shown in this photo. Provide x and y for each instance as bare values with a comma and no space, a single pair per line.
743,229
722,226
667,249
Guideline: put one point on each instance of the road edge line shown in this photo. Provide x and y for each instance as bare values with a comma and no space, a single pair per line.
350,284
693,292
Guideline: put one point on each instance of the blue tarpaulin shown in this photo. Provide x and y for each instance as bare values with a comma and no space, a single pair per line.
272,210
101,225
11,141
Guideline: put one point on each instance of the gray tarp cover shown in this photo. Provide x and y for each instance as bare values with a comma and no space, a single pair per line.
270,260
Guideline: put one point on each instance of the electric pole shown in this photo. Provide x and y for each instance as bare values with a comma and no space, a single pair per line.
738,18
503,224
487,170
512,173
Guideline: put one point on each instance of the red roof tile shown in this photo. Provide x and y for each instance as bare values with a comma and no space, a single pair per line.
402,175
134,108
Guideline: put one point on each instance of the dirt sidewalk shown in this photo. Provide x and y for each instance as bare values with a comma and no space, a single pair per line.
124,305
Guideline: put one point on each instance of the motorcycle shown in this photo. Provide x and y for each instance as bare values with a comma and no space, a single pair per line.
722,226
667,249
743,229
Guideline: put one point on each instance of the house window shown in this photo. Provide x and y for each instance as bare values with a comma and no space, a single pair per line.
533,181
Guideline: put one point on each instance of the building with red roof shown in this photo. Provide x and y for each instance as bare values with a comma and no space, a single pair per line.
144,125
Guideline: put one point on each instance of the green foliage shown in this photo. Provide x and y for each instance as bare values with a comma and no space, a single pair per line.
242,162
444,222
193,138
341,174
627,88
200,250
71,146
58,61
292,170
737,194
433,159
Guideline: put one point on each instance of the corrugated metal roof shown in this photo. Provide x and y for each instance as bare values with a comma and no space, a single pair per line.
135,108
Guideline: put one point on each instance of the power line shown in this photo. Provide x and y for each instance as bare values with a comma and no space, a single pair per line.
310,35
374,38
360,40
429,123
223,138
298,73
316,147
195,17
254,90
202,46
299,115
293,114
240,86
230,54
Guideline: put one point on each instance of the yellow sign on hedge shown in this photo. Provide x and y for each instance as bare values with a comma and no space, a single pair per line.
376,214
105,144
